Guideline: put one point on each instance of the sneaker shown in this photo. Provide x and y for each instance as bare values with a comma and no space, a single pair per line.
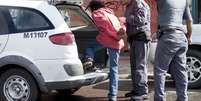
129,94
88,62
97,70
112,99
139,97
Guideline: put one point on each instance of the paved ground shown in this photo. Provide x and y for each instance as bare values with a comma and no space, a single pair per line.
124,68
99,91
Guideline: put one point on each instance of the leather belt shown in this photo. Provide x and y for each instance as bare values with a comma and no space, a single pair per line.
172,30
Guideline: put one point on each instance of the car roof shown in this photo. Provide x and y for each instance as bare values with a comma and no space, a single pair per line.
24,3
37,4
66,3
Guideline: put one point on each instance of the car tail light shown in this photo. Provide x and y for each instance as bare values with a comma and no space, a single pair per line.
62,38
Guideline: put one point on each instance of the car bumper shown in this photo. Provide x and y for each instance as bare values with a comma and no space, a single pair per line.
78,81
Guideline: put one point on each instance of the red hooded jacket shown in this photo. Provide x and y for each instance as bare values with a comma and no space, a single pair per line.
108,25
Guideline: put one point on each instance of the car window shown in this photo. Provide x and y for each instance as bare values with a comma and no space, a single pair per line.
25,19
75,17
4,25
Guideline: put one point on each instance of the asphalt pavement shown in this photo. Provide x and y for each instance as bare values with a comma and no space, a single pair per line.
124,67
98,92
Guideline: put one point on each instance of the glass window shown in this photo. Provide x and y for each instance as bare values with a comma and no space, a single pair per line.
75,17
4,25
28,19
199,10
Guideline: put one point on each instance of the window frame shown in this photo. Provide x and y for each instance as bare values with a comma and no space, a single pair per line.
83,14
9,24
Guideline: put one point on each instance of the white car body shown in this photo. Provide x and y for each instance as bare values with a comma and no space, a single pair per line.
51,66
196,34
48,58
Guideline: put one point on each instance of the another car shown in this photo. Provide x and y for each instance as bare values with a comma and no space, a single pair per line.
194,58
38,51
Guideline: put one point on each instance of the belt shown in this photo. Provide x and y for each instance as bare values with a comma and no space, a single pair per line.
169,31
172,29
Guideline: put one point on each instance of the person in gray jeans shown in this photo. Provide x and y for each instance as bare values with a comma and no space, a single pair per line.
139,36
172,47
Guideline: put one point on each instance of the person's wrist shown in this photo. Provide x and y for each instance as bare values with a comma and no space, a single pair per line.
189,38
188,35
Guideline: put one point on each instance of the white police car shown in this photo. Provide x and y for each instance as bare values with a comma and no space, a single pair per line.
38,52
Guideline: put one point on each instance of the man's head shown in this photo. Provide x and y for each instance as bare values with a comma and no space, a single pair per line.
95,5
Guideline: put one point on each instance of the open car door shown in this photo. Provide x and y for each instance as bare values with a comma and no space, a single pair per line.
84,29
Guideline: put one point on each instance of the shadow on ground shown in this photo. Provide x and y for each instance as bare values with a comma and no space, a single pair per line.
126,85
76,98
98,92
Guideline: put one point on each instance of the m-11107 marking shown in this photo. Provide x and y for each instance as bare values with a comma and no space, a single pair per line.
35,35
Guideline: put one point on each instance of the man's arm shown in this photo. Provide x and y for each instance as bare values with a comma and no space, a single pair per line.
189,21
189,30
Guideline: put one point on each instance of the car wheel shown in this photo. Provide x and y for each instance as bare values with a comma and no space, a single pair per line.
194,68
17,85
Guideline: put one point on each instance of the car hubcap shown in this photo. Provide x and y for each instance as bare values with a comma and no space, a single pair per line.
16,88
194,69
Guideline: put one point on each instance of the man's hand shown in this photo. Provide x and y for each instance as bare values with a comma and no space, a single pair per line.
189,38
154,37
121,34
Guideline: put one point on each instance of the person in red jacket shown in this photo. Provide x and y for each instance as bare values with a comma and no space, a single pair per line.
110,36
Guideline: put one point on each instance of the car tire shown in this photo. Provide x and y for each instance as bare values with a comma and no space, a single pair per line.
18,85
194,68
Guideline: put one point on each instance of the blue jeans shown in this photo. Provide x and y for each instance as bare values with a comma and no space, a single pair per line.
93,47
113,75
114,60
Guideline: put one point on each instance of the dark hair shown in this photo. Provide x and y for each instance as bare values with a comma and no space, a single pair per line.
94,5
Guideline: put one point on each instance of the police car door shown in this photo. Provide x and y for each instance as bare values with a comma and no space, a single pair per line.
5,28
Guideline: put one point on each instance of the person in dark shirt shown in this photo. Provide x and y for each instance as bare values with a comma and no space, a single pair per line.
139,35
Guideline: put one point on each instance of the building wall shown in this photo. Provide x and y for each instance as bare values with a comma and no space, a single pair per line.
153,7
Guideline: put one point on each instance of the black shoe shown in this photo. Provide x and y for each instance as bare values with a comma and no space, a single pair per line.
139,97
112,100
129,94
